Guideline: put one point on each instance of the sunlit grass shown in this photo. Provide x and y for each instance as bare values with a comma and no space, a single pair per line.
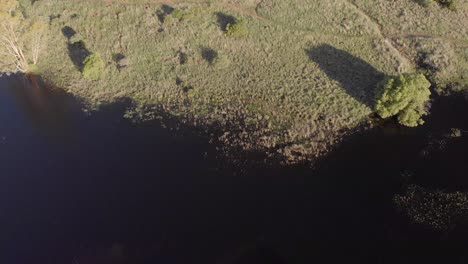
264,78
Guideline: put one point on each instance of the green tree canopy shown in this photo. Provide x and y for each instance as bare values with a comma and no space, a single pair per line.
236,29
404,96
93,67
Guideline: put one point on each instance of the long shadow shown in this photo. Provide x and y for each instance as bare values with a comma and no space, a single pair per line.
224,20
77,50
357,77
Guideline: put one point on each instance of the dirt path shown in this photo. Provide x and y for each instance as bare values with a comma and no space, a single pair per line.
457,42
155,2
252,13
405,63
380,29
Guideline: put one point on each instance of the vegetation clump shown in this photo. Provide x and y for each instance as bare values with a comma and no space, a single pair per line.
435,209
93,67
455,133
425,3
450,4
222,61
236,29
404,96
179,14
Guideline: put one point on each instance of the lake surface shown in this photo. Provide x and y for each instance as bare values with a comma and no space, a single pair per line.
80,187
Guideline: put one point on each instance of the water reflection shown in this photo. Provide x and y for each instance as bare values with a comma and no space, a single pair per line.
45,110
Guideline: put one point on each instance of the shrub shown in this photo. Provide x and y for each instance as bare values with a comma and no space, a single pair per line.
425,3
34,69
404,96
179,14
236,29
450,4
93,67
222,61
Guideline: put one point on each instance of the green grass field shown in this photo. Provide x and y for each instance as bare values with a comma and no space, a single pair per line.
295,84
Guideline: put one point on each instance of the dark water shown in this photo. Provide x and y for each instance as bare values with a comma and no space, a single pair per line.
97,188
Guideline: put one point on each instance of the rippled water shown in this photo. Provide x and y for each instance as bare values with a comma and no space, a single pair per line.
78,187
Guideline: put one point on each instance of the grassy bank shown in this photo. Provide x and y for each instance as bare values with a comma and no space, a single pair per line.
300,77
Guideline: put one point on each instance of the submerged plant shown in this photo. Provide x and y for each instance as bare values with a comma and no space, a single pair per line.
404,96
435,209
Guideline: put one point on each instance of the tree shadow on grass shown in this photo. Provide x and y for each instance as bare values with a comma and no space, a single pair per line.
224,20
209,54
163,12
119,60
357,77
77,50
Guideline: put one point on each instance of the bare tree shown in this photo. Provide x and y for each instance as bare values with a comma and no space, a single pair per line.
14,45
10,42
36,47
20,38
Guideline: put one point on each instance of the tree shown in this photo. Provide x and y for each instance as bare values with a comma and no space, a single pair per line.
93,67
20,38
238,28
404,96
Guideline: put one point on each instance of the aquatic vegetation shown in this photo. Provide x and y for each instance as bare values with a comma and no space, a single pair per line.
455,133
436,209
404,96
